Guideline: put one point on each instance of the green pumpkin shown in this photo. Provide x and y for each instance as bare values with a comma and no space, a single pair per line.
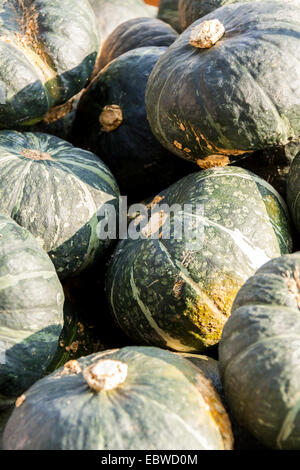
47,54
259,354
168,12
55,191
293,190
133,398
4,417
177,292
214,104
111,13
132,34
273,165
111,121
31,304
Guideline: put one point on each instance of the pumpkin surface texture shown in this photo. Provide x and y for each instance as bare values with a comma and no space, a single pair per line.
48,51
168,12
31,309
138,32
111,121
177,291
259,354
55,191
293,190
220,90
86,403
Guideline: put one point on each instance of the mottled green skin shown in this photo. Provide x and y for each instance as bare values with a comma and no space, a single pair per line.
57,200
50,67
177,293
140,164
259,354
273,165
293,190
111,13
31,303
138,32
225,100
168,12
165,403
209,367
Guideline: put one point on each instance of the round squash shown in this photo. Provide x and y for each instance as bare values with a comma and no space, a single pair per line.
168,12
138,32
133,398
55,191
259,354
293,190
221,91
176,292
47,54
31,309
111,121
111,13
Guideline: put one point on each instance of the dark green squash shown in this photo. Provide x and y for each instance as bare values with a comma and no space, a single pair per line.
4,417
273,165
138,32
293,190
133,398
168,12
177,292
111,121
47,54
214,104
259,354
191,10
31,309
111,13
55,191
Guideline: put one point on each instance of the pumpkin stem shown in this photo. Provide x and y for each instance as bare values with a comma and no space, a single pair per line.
36,154
111,117
206,34
105,375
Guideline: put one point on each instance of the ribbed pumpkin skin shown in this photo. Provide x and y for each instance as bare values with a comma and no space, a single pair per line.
31,303
111,13
140,164
48,50
57,198
225,100
166,293
293,190
138,32
169,404
259,354
168,12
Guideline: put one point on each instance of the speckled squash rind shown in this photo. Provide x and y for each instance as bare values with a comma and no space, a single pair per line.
31,303
178,293
56,197
169,404
168,12
48,49
224,100
259,354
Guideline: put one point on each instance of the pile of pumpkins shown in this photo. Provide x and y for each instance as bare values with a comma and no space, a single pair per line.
149,342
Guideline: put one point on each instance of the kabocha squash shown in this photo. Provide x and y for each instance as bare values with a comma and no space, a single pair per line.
55,191
47,54
111,121
169,403
31,304
191,10
259,354
293,190
176,291
138,32
111,13
220,90
168,12
273,165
